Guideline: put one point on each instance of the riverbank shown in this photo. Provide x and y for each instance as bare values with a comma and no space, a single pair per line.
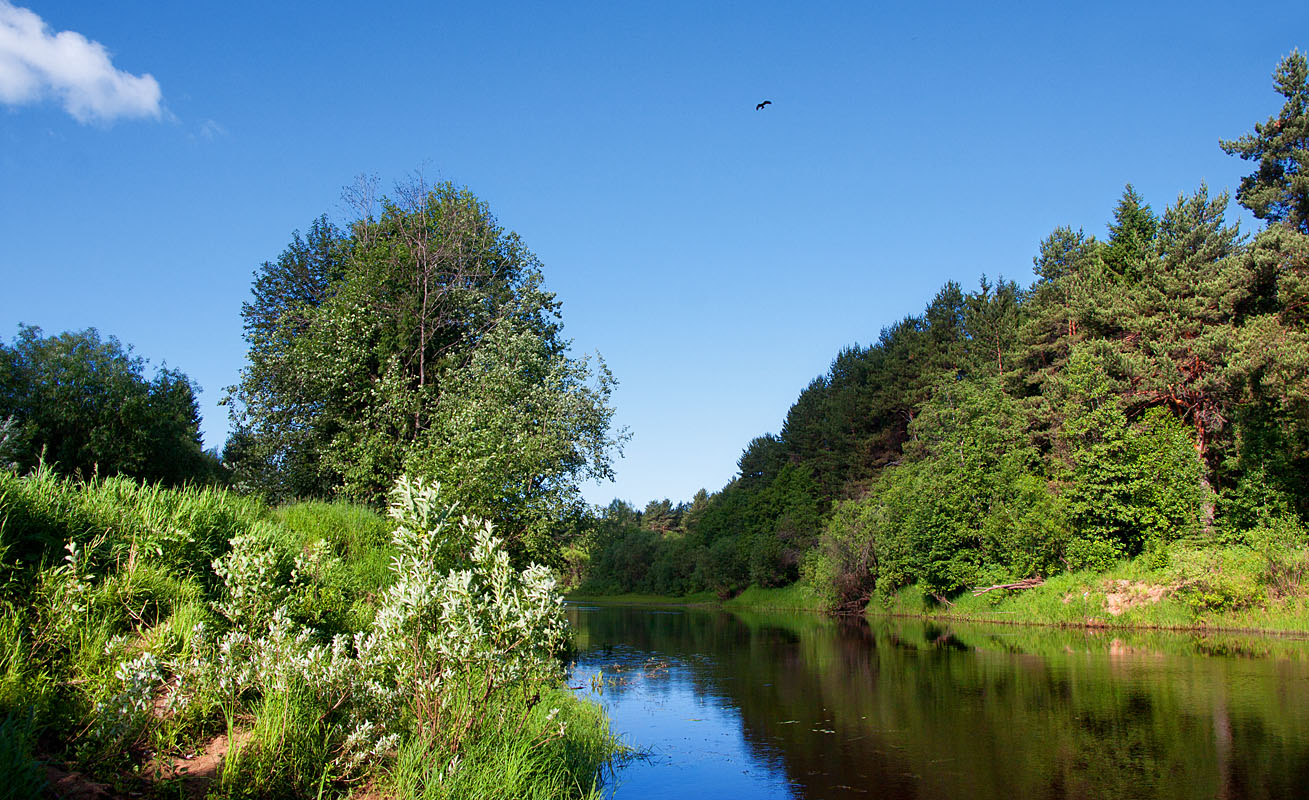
1233,589
1232,595
796,597
158,642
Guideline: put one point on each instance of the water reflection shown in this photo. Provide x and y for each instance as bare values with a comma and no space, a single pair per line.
776,705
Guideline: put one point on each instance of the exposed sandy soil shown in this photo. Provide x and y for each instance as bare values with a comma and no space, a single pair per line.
196,771
1121,595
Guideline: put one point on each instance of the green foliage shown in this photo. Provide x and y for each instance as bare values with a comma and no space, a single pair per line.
1219,579
968,508
765,456
121,520
1131,245
116,647
674,566
1130,483
85,406
539,761
622,565
343,560
517,427
1278,191
788,510
1283,542
421,341
722,568
1146,398
843,568
287,752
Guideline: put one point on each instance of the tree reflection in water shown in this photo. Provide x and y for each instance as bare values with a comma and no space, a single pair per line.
793,705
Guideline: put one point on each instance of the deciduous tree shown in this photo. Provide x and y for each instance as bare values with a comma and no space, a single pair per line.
420,340
85,405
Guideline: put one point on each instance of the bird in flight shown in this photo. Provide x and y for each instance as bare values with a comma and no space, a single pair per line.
760,107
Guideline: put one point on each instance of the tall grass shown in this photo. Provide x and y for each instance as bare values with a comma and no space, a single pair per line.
534,762
95,576
284,753
181,530
357,541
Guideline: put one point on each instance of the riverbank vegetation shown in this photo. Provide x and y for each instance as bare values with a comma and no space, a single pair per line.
419,340
1132,429
175,622
191,640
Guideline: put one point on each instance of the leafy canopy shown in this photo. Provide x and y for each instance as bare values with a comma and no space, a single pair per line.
420,340
86,406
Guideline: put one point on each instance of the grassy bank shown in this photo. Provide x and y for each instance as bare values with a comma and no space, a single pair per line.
637,599
1236,588
796,597
156,642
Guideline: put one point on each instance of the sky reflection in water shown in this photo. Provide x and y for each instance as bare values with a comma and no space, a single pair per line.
777,705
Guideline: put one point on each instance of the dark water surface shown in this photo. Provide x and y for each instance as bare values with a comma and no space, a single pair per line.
761,705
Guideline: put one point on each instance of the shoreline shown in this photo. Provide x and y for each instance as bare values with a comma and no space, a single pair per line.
755,602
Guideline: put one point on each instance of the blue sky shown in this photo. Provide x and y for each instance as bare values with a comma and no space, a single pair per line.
718,257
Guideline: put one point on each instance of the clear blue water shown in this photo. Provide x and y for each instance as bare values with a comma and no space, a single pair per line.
757,705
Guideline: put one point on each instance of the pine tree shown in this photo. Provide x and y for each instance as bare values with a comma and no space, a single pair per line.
1131,237
1180,349
1278,191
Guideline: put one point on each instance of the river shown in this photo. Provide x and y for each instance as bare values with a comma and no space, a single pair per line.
774,705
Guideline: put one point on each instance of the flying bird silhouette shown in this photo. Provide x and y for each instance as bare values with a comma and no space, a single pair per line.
760,107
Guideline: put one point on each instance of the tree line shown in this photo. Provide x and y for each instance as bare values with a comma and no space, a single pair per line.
86,404
418,339
1148,390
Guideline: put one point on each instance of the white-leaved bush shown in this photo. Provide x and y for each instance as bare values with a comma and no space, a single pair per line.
121,715
251,575
458,630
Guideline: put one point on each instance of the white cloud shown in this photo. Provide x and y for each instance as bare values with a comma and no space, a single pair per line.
36,62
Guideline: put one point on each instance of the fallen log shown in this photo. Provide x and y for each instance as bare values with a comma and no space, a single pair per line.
1025,583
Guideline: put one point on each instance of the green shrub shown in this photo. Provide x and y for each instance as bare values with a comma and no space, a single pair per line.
721,568
1225,579
842,569
1284,544
1092,554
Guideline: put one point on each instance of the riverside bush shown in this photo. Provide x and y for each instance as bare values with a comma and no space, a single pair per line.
1217,579
457,629
119,651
